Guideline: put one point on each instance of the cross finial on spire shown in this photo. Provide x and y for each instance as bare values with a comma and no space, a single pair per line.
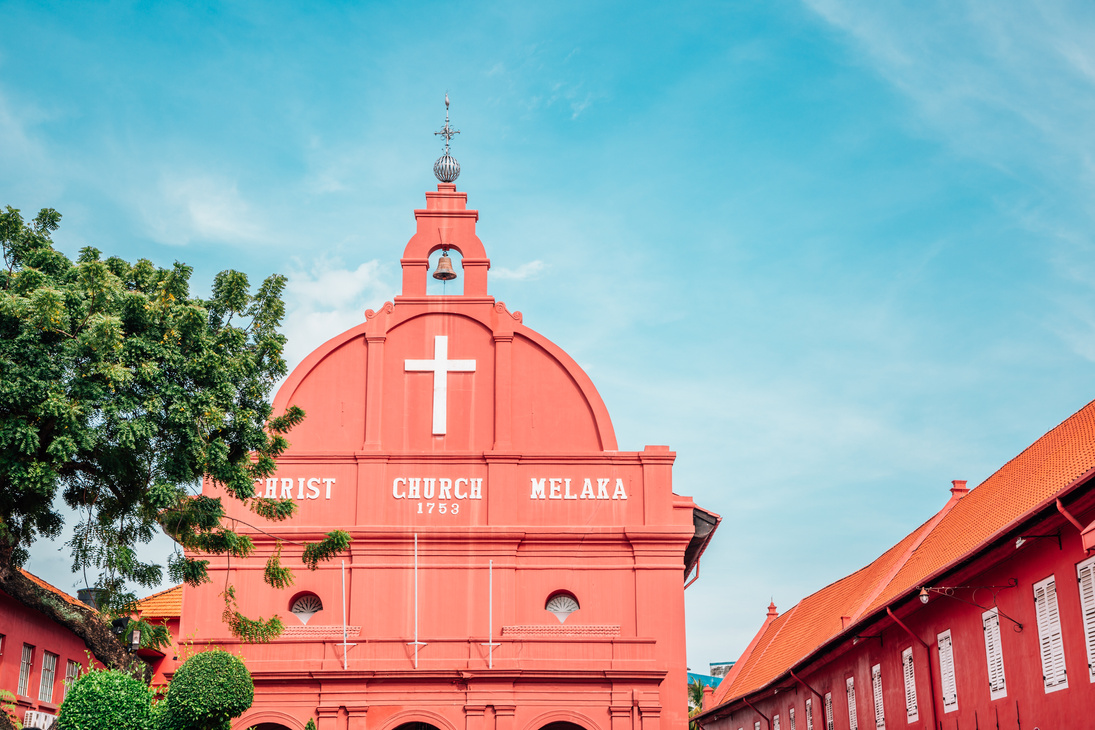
447,169
447,132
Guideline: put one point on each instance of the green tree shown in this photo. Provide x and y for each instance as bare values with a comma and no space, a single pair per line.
106,700
207,691
120,392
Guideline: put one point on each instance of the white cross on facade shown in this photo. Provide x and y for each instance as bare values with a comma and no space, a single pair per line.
440,366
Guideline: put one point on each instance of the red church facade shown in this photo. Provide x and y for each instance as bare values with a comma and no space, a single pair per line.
984,617
511,568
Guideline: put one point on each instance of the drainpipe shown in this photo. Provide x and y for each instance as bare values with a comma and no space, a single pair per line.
819,697
766,718
931,677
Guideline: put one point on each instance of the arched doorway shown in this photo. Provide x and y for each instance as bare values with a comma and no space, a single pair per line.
416,726
270,726
562,725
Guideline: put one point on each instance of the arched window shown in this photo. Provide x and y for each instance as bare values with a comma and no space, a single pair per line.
305,606
561,604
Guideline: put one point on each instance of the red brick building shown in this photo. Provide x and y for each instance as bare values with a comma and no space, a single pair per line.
38,657
511,567
983,617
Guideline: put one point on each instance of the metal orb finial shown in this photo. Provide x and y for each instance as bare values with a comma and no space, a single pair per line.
447,169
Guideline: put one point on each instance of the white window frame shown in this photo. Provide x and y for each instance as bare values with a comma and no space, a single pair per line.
876,693
775,722
791,717
948,682
1085,576
853,716
994,654
829,711
756,725
72,672
908,672
49,676
26,665
809,715
1050,639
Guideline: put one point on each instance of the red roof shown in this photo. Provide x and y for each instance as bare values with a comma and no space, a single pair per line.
165,604
967,523
52,589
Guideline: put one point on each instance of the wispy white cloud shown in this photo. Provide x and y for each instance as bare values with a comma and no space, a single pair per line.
525,272
188,207
326,299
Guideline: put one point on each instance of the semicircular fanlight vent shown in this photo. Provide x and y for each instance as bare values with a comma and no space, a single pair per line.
562,605
306,606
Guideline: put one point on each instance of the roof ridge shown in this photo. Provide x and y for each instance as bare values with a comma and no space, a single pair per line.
159,593
921,533
735,670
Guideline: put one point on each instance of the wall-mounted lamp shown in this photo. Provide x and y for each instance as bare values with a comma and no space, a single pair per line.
949,591
1021,540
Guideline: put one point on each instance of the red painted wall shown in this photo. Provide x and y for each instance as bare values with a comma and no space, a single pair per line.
1027,704
19,625
527,419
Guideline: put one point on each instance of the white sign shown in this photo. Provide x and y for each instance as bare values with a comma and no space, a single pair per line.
305,487
440,366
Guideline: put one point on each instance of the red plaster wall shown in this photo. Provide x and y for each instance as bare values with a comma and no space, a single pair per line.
20,625
1026,705
527,413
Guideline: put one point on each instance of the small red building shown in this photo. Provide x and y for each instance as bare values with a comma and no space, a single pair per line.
39,658
983,617
511,568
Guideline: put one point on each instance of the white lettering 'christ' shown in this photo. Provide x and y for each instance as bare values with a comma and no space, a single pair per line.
440,366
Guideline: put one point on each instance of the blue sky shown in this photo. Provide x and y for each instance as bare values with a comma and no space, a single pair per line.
835,254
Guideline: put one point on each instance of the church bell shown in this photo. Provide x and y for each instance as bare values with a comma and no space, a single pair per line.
444,268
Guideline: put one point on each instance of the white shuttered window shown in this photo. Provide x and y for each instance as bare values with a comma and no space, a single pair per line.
990,621
1049,635
853,716
24,669
876,692
775,722
912,711
946,672
791,717
828,711
809,715
1085,574
49,675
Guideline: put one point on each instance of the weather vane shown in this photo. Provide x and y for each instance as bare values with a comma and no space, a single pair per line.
447,169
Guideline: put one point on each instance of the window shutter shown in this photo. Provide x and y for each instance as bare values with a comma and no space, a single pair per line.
990,622
1049,635
791,717
912,711
1085,573
853,716
876,691
828,711
946,672
809,715
756,725
775,722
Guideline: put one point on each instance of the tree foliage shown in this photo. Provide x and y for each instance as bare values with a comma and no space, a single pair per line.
207,691
106,700
120,392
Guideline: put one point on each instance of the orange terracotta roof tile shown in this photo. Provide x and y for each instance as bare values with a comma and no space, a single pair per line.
52,589
1046,468
165,604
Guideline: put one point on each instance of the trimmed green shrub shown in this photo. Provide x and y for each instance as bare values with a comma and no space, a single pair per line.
311,725
207,691
106,700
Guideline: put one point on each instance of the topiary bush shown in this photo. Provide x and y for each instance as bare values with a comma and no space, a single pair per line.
207,691
106,700
311,725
